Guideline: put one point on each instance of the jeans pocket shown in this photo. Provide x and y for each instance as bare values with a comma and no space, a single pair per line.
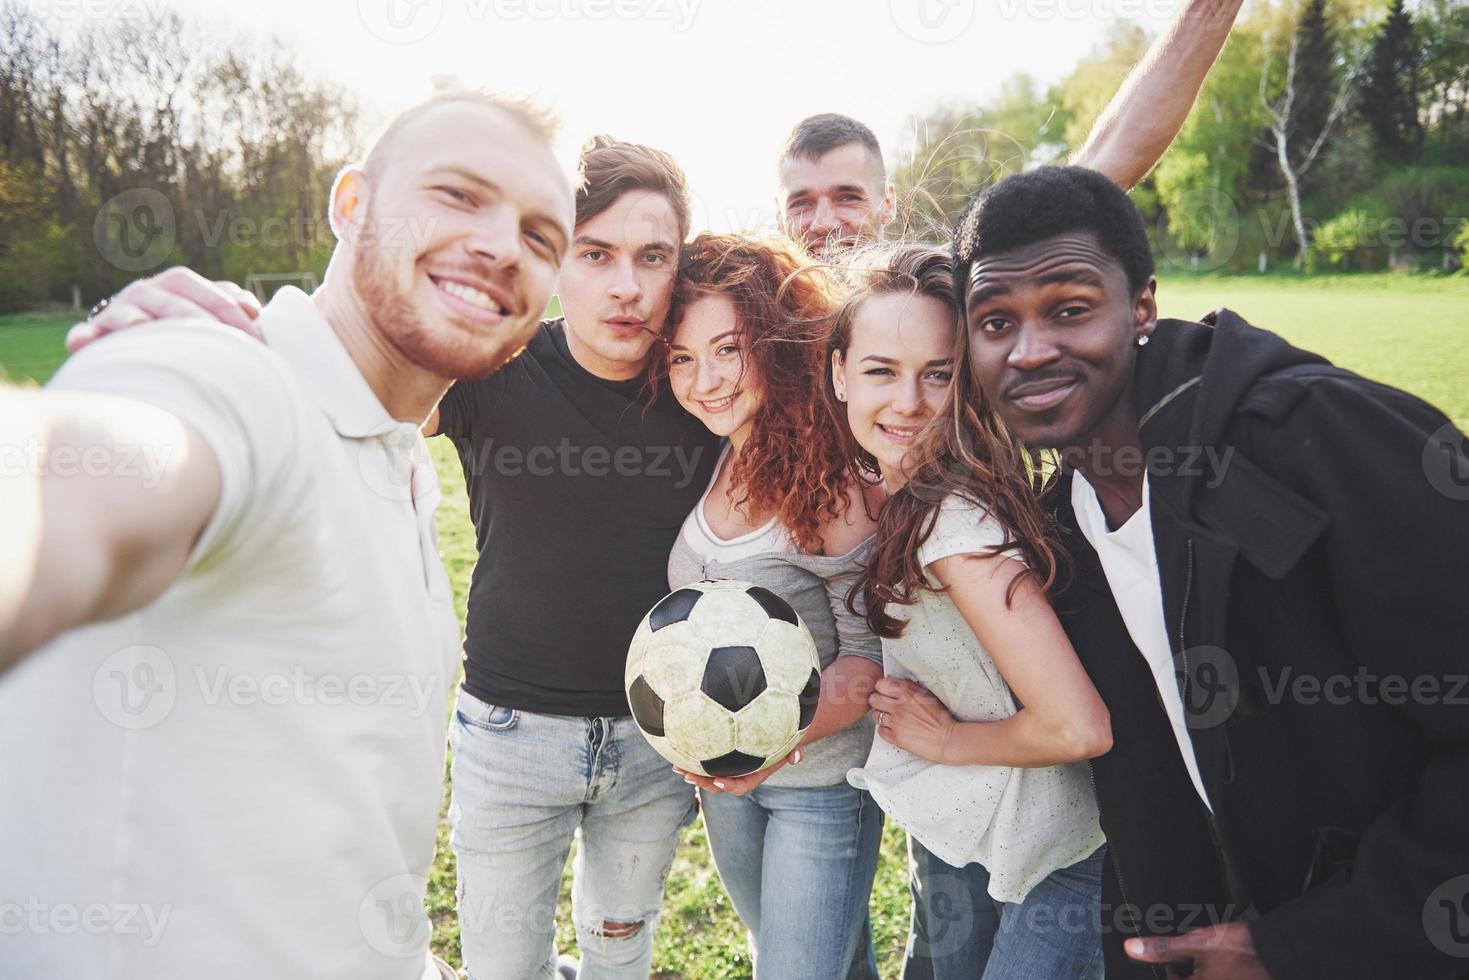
474,713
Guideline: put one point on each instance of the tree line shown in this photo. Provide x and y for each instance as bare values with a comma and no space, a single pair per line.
141,142
1331,135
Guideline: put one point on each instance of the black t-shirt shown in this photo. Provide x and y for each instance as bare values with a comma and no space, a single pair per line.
577,489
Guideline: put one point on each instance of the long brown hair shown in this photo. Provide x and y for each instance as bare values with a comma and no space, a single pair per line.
793,464
964,450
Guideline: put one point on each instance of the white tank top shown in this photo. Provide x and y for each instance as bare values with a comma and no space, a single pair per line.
698,535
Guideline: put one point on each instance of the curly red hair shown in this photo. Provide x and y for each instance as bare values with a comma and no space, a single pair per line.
793,464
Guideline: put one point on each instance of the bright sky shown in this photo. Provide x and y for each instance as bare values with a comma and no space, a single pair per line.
717,83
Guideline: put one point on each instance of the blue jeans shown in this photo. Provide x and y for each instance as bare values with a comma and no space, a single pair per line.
960,933
523,785
798,864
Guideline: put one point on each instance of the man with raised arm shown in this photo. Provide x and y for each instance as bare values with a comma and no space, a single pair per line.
834,187
228,634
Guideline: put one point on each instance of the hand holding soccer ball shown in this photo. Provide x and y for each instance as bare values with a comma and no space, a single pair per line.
723,678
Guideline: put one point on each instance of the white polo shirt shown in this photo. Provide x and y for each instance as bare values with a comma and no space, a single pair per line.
243,779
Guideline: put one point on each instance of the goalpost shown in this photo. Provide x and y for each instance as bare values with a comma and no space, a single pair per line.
264,284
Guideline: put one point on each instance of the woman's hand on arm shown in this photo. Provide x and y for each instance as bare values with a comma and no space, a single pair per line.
1062,718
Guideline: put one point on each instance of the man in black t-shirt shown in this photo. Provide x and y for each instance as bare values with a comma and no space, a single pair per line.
578,485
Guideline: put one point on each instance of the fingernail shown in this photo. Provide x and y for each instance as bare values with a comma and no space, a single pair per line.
799,756
718,784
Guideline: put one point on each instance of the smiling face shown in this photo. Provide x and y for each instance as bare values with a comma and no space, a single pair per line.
895,375
617,284
456,238
707,370
837,200
1052,331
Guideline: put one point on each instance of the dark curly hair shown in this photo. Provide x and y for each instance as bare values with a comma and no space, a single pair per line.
793,464
1043,203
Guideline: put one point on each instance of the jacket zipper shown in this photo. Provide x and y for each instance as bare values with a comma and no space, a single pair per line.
1225,866
1117,867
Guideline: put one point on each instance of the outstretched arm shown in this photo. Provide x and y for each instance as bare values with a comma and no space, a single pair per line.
88,533
1150,108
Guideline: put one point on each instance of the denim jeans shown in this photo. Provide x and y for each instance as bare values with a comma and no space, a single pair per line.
523,785
960,933
798,864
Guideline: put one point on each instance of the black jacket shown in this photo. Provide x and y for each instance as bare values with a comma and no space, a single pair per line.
1311,553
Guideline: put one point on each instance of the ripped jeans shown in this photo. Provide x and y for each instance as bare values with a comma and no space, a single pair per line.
523,785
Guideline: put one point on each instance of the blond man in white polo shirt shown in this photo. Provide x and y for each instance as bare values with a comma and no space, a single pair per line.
225,750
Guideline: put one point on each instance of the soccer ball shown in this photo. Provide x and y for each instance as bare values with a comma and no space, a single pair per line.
723,678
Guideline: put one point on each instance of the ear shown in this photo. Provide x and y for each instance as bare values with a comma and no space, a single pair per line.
838,380
1145,309
889,208
350,192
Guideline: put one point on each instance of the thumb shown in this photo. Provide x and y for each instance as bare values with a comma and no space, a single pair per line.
1158,949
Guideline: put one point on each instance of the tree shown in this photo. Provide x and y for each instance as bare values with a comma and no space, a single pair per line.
1297,146
1389,91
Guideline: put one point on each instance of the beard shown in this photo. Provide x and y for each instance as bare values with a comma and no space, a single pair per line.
447,350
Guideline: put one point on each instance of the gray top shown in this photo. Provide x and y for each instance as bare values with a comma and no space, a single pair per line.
816,587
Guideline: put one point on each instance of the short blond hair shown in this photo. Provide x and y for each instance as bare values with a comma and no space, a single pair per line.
536,120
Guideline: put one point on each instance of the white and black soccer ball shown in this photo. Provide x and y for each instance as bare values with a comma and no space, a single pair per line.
723,678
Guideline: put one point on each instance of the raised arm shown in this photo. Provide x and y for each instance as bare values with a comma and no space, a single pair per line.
101,501
1062,718
1149,109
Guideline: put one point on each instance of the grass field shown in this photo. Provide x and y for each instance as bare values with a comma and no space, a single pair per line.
1411,333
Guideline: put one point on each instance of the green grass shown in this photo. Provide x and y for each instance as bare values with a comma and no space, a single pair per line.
1412,333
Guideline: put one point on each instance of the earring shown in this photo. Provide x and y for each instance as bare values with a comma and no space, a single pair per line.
841,397
1142,341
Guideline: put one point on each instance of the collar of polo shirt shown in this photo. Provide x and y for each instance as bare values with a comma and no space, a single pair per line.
304,338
